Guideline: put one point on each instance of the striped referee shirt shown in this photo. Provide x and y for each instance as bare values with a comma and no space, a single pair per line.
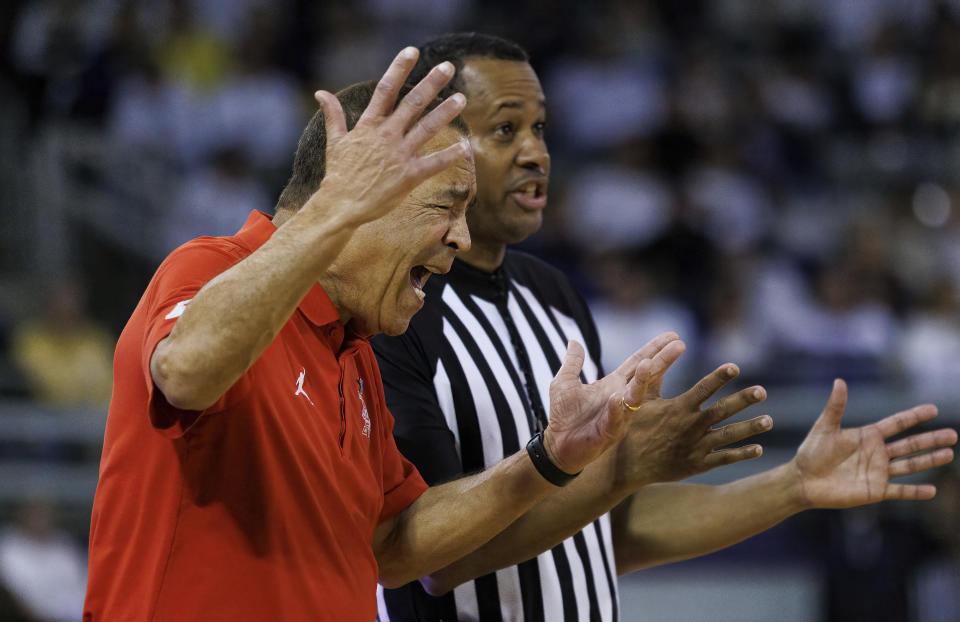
468,384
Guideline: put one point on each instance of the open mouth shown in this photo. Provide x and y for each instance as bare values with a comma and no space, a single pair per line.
531,195
420,274
418,278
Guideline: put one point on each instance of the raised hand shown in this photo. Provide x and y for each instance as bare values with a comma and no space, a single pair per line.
841,468
587,419
378,162
671,439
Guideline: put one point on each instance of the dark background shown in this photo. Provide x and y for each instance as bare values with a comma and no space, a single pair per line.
777,181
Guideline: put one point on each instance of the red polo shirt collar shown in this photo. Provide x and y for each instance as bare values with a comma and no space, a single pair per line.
316,306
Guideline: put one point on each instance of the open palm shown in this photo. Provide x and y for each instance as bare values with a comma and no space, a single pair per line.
841,468
586,419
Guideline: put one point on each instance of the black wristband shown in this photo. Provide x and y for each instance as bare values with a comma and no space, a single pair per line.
543,464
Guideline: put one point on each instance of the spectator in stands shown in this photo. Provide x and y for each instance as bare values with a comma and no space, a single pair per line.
619,188
835,331
736,329
633,302
260,105
216,199
65,356
40,566
930,342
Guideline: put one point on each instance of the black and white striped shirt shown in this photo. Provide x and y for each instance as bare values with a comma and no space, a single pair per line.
467,385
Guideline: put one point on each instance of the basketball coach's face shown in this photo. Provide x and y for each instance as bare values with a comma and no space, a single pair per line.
377,280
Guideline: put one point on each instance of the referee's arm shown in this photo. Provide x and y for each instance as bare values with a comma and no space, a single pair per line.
647,454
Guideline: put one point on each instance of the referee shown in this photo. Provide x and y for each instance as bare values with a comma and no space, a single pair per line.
468,383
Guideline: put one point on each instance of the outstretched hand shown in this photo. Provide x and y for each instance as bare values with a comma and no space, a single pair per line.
586,419
376,164
672,439
845,467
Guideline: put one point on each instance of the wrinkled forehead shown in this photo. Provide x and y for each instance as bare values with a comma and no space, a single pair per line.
446,136
458,182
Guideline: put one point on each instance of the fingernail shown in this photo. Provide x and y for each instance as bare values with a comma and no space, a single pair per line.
409,52
730,371
446,68
757,394
459,98
766,422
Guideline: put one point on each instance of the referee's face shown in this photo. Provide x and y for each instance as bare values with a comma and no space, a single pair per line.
377,280
506,114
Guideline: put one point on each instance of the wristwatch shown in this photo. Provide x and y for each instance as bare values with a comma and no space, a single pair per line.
543,464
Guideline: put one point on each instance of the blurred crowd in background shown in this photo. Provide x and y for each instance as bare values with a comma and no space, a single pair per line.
775,180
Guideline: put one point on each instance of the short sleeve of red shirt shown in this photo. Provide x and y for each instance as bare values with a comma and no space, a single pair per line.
402,483
176,282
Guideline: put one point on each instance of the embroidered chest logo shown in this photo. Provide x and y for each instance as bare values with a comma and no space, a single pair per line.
300,391
363,411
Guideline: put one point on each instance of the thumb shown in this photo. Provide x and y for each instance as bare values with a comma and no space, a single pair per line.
836,403
572,362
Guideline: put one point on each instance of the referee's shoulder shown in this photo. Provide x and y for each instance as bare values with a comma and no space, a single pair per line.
549,282
530,267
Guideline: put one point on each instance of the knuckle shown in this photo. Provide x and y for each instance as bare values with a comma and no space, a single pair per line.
915,444
386,84
717,412
740,432
725,435
430,124
415,100
703,390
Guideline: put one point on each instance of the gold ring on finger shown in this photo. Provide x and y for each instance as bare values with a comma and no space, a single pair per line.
623,403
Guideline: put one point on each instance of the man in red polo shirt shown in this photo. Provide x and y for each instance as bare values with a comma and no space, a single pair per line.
249,471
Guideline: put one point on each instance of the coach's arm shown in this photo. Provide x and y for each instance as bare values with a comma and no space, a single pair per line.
369,170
